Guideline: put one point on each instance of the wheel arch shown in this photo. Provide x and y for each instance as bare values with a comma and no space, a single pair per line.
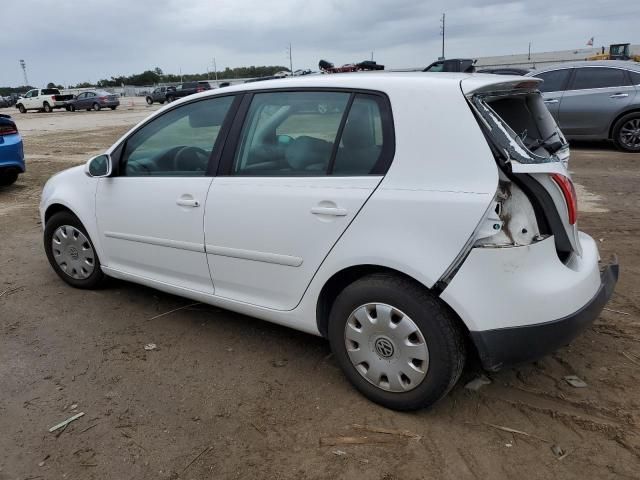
339,280
56,208
620,115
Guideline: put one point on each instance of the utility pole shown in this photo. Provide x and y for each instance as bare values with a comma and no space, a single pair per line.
23,65
442,33
215,69
290,60
529,57
372,56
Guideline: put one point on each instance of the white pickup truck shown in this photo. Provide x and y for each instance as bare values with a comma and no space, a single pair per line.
45,99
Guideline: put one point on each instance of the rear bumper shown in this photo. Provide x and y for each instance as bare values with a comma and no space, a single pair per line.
510,346
11,153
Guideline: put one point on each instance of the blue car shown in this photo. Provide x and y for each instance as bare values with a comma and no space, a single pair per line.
11,151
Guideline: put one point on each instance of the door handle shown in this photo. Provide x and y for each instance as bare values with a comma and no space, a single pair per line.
335,211
551,100
187,201
619,95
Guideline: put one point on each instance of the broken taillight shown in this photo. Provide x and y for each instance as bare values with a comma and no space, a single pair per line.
569,193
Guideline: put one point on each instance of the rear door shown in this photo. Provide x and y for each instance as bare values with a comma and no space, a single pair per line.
553,87
595,96
305,163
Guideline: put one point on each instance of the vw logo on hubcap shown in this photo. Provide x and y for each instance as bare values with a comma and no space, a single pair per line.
73,252
384,347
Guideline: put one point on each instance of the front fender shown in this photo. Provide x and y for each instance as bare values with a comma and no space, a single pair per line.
75,191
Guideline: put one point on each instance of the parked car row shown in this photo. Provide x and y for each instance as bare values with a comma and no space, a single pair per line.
169,94
93,100
49,99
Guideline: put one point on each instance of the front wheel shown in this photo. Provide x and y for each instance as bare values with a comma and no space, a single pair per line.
96,107
170,99
626,133
113,108
149,101
397,344
70,251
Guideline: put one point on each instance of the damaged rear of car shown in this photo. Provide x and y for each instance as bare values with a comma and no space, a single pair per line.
529,281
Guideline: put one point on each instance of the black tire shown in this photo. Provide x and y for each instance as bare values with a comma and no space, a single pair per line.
97,107
88,109
47,108
67,218
170,98
67,108
72,108
161,102
630,121
435,321
149,101
21,108
113,108
8,178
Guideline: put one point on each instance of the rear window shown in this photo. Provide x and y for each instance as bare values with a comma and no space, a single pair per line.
635,77
50,91
554,81
599,77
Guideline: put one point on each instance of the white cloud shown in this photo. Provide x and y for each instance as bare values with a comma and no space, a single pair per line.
78,40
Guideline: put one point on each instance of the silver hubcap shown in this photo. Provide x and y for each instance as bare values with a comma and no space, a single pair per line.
73,252
630,133
386,347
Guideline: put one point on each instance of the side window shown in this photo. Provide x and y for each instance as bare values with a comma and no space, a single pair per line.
599,77
554,81
363,139
81,96
91,94
289,133
635,77
177,143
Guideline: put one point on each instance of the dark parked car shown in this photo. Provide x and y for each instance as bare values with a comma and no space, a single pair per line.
504,70
158,95
465,65
94,99
595,100
186,88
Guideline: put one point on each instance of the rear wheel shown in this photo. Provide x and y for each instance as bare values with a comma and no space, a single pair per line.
149,101
46,107
96,107
21,108
626,133
170,99
112,108
397,344
71,252
8,178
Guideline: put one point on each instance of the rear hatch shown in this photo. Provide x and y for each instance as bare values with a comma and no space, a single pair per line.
529,149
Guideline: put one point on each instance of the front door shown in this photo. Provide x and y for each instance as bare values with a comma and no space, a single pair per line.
304,165
595,97
150,215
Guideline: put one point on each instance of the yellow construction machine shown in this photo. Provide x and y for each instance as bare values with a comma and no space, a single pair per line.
617,51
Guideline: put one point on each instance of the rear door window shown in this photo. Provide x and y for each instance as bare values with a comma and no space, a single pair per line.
554,81
599,77
635,77
290,134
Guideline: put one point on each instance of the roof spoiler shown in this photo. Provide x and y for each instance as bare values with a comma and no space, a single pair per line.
484,84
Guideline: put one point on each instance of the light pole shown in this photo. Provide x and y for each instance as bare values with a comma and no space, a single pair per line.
442,33
290,60
23,65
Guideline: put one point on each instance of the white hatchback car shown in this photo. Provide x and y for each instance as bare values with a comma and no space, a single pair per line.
412,219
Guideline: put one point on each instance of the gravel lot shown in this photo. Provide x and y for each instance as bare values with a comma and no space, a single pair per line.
228,396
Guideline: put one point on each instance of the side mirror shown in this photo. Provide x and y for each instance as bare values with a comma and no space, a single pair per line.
98,167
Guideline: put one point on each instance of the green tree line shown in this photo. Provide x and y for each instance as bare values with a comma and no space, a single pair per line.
152,77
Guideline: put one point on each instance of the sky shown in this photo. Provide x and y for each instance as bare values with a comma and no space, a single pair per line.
72,41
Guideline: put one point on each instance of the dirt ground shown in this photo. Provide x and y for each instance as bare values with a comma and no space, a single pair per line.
227,396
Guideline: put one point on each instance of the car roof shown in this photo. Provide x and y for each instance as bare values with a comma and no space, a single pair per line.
626,64
381,81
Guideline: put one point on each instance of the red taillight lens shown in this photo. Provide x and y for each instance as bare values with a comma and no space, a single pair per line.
200,89
570,197
53,97
102,99
8,130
